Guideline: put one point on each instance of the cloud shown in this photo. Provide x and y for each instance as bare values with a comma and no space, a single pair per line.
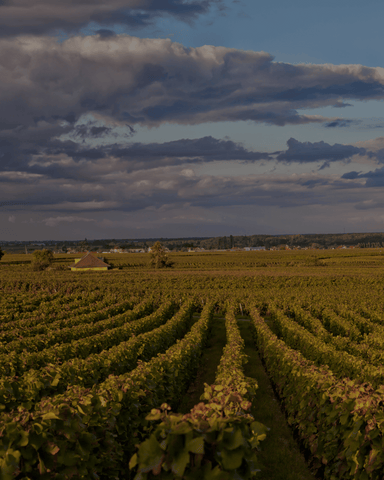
340,123
307,152
46,17
150,155
36,155
11,204
54,221
374,144
67,177
52,162
350,87
374,178
342,105
145,81
90,130
351,175
90,205
169,195
105,33
370,205
128,191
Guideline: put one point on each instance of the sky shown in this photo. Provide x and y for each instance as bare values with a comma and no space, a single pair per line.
179,118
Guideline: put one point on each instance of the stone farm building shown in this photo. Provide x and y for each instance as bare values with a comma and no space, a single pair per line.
89,262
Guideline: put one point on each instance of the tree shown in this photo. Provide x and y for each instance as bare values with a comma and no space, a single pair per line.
1,253
159,257
41,259
84,244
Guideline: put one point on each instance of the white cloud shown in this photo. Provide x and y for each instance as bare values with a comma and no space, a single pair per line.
154,81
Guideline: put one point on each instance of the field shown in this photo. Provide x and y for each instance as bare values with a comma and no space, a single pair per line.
227,366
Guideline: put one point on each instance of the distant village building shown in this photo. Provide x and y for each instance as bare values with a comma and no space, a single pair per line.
89,262
166,249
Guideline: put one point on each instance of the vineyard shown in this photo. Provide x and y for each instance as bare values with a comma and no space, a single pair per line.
96,368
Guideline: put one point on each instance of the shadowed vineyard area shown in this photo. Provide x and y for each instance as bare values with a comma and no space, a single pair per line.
233,365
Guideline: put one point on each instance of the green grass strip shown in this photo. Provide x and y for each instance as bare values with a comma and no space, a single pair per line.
208,367
279,456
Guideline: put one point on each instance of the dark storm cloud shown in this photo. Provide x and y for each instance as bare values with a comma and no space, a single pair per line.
41,17
350,89
340,104
351,175
20,144
204,149
36,151
94,164
374,178
307,152
339,123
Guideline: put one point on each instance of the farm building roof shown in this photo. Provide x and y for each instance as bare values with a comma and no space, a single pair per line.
89,261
